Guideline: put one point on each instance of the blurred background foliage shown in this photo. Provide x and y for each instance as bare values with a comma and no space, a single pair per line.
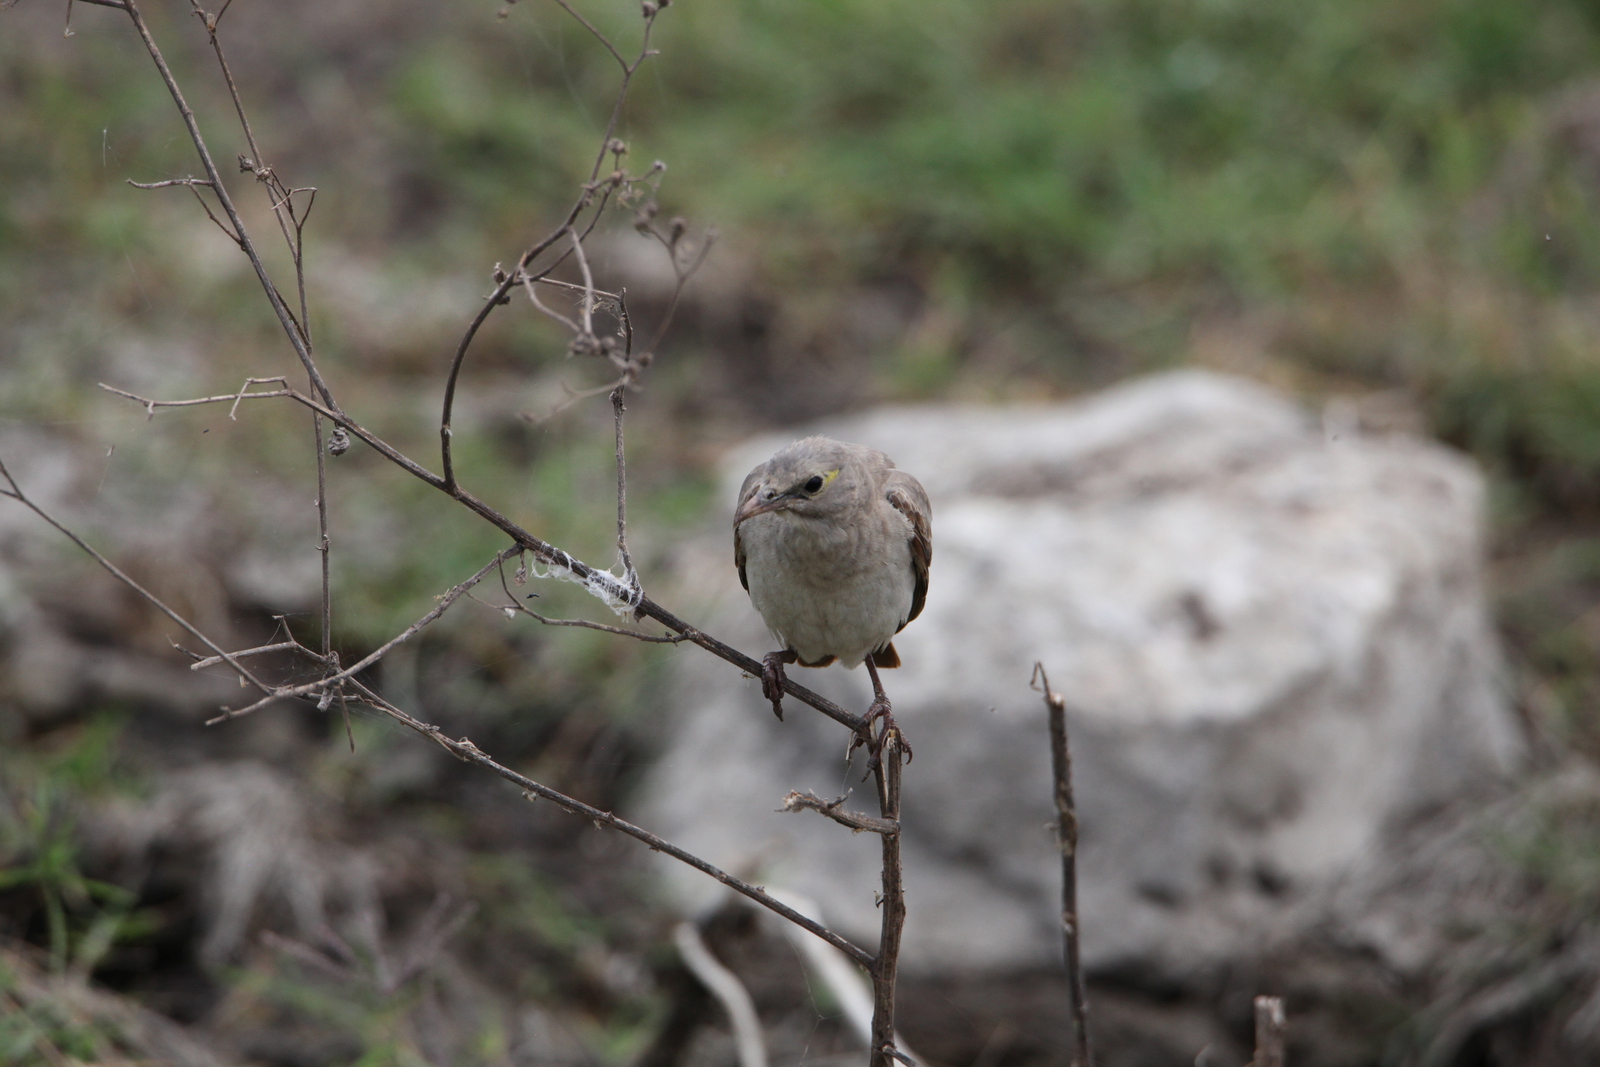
1389,204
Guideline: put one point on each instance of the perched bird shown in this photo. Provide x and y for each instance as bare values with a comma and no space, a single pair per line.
833,545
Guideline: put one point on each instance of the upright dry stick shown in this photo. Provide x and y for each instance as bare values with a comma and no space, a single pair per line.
885,970
1272,1031
1067,838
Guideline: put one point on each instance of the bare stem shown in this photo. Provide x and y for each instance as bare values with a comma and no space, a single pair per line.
14,491
885,972
259,650
286,318
463,748
1272,1031
542,550
466,751
522,270
1067,840
323,685
323,543
618,409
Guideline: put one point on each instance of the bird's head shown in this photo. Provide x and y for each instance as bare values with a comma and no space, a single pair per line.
814,477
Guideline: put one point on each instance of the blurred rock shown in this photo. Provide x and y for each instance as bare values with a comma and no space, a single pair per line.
1272,636
250,827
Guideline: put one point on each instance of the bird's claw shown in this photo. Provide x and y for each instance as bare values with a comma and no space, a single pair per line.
772,680
880,709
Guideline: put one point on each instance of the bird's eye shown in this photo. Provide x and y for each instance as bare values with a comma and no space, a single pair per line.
814,485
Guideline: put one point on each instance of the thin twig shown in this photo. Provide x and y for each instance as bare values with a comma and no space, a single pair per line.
584,200
285,317
233,412
324,684
151,405
546,553
465,750
259,650
533,297
572,398
170,181
602,38
1067,841
15,493
834,809
587,306
323,543
559,284
279,194
618,409
595,195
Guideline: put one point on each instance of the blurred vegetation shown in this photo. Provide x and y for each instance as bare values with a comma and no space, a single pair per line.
44,891
932,199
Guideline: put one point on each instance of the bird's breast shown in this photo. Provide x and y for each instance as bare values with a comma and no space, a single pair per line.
829,590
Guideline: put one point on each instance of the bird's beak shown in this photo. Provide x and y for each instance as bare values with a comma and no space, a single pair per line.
763,500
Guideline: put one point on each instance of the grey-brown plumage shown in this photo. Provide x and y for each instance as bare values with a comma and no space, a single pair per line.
833,544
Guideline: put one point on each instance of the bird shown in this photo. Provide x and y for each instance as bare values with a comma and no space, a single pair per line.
833,544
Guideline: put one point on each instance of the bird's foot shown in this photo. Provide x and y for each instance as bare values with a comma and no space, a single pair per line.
880,709
772,679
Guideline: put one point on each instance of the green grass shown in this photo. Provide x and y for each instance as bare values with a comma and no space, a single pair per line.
83,917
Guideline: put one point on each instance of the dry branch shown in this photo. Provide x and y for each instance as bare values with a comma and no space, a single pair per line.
1272,1029
623,594
885,971
1067,840
834,809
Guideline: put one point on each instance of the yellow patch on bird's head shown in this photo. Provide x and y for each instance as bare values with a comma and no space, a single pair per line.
818,482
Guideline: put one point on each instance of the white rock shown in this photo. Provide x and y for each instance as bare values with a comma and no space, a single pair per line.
1274,644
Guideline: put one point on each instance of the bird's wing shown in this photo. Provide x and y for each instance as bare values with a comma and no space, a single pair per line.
908,497
738,545
738,559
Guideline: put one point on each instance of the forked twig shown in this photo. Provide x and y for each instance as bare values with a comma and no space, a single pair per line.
622,593
326,683
586,199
